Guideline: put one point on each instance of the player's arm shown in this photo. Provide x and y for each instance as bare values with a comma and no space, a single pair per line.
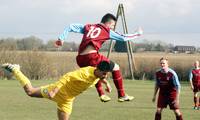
107,84
76,28
176,84
54,91
156,88
125,37
190,79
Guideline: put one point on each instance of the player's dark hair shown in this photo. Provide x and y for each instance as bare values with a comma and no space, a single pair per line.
106,66
163,58
107,17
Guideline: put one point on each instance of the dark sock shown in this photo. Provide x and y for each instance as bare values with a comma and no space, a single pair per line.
179,117
157,116
195,101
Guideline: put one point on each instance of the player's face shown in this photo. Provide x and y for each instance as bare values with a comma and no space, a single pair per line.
196,64
164,64
111,24
101,74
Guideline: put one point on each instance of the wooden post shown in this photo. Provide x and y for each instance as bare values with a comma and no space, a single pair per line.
120,12
111,41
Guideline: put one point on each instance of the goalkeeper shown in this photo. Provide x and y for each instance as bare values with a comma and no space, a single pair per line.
64,91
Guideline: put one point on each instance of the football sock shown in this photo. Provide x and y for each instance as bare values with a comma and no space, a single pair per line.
179,117
99,88
195,101
118,81
21,78
157,116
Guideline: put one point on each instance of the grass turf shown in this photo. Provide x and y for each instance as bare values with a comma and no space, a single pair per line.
14,104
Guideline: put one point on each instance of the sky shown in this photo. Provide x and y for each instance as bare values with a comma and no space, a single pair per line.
173,21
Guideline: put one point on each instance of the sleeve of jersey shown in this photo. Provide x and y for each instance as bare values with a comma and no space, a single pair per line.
190,75
76,28
176,81
124,37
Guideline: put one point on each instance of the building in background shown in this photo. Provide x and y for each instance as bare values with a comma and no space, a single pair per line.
184,49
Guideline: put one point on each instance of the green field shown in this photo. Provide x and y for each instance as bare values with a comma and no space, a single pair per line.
15,105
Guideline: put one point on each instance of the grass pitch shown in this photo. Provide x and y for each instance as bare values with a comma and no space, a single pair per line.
15,105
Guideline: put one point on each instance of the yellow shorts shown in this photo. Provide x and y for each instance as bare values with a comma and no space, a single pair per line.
64,102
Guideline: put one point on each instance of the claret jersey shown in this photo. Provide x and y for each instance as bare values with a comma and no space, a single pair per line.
96,34
194,76
167,82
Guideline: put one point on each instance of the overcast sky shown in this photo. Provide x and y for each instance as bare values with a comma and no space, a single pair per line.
177,21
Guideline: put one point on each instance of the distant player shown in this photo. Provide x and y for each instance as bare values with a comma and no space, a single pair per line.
194,77
168,85
64,91
94,35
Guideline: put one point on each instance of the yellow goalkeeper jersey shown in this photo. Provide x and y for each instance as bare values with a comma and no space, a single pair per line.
74,83
69,86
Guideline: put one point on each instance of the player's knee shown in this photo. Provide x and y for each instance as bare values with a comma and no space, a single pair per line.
177,112
29,92
159,111
195,94
116,67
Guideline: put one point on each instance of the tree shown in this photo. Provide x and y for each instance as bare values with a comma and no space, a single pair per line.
8,44
29,43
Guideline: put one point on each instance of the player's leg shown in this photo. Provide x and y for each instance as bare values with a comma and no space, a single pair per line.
118,81
196,100
62,115
178,114
64,107
197,94
161,104
103,97
158,113
33,91
117,78
24,81
93,59
174,105
199,101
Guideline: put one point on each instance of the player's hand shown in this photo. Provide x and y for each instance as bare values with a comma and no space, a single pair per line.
52,93
177,101
58,43
153,99
108,88
192,87
107,84
139,30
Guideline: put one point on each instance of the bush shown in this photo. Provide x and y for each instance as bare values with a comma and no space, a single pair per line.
48,65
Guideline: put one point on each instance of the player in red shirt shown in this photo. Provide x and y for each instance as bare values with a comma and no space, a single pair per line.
194,77
168,85
94,35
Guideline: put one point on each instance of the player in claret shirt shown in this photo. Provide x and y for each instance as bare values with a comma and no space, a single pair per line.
94,35
168,85
194,77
